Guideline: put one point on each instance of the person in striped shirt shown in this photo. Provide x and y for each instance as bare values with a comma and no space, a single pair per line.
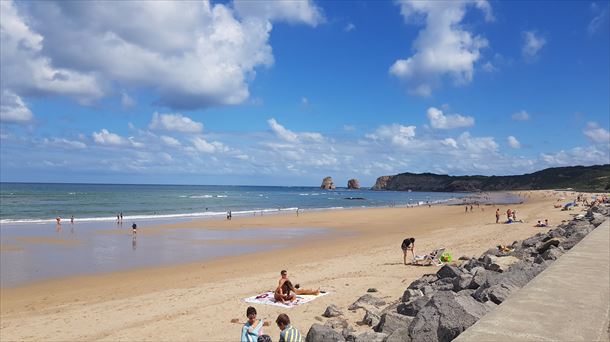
288,332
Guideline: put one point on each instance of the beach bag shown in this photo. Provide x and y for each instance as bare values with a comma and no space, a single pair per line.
264,338
446,257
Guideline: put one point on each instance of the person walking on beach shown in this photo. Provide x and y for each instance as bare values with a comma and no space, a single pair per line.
72,219
466,209
498,215
118,218
121,214
407,245
253,328
288,333
134,228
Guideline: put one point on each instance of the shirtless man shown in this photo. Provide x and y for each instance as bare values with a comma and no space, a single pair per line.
295,288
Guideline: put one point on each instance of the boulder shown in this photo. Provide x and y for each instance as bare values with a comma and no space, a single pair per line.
353,184
332,311
572,241
428,290
547,244
444,284
448,271
412,308
479,276
367,300
472,263
498,293
423,281
552,253
410,294
337,323
597,219
371,318
371,336
464,281
499,264
532,241
463,257
446,316
558,232
327,184
320,333
399,335
392,321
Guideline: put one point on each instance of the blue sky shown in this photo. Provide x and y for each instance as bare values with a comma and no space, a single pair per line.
285,93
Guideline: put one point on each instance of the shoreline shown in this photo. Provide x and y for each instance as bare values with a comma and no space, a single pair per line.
343,265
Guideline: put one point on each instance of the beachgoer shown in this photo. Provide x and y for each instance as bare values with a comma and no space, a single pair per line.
297,212
283,293
296,288
58,219
288,332
121,216
471,208
508,214
498,215
253,328
134,242
118,218
72,219
134,228
466,209
514,215
546,222
407,245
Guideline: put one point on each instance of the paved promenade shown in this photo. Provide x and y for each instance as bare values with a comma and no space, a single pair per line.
569,301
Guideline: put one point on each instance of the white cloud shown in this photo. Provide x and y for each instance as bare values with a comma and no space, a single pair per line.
442,48
397,135
175,123
192,54
204,146
290,136
532,44
489,67
601,17
65,143
513,142
438,120
127,101
13,109
349,27
450,142
304,11
349,128
576,156
597,134
477,144
104,137
521,116
169,141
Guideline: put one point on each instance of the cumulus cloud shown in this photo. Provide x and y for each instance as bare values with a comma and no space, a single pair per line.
532,44
191,54
442,48
127,101
170,141
521,116
477,144
449,142
438,120
104,137
349,27
289,11
175,123
397,135
204,146
513,142
600,18
13,109
293,137
597,134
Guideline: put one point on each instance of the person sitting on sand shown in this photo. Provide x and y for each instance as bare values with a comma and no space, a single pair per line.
283,293
288,333
253,328
407,245
546,222
540,224
296,288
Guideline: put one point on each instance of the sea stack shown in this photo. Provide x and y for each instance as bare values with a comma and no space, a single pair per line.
353,184
327,184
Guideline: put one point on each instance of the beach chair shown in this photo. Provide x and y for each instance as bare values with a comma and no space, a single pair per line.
434,258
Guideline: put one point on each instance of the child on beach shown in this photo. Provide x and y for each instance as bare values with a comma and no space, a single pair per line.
253,328
408,244
288,332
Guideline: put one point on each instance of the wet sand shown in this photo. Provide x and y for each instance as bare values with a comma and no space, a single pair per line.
197,301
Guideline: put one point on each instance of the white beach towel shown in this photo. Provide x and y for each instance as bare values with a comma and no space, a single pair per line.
267,298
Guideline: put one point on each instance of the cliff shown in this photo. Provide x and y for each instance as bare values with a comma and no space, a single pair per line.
585,178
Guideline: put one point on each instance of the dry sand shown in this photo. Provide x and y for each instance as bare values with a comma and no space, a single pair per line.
197,301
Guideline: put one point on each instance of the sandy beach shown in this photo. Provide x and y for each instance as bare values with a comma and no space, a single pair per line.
197,301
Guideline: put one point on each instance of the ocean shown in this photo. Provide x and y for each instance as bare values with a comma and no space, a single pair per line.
41,203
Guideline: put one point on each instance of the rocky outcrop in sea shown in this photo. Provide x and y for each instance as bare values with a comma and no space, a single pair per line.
440,306
353,184
327,184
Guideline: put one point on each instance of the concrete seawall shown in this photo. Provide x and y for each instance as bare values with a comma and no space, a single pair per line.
569,301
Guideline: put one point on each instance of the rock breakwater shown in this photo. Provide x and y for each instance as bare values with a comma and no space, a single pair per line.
440,306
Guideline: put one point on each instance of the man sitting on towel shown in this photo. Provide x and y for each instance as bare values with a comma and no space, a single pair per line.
296,288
